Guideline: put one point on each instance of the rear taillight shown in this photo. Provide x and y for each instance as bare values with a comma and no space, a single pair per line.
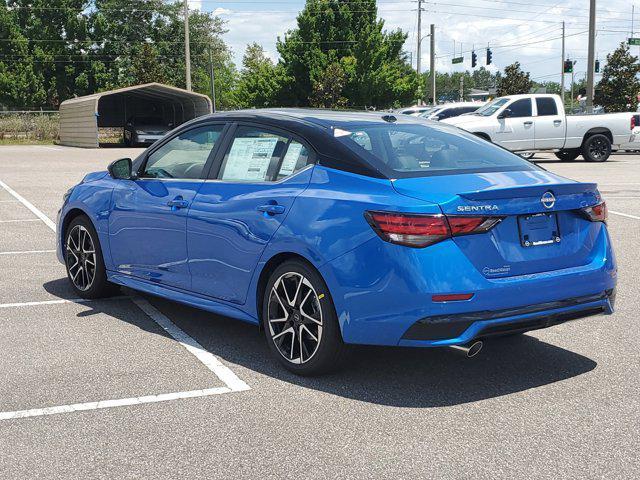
419,231
597,213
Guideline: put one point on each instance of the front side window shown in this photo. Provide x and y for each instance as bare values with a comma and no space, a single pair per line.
546,106
520,108
415,150
183,156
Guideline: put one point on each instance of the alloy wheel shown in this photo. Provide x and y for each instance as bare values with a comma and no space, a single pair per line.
81,258
295,318
598,148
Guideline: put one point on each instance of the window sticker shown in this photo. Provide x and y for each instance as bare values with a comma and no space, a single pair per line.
291,159
249,158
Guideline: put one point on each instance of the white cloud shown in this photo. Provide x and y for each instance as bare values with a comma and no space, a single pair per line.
530,38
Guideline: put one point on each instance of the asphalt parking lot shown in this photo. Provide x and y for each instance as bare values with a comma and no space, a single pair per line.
137,387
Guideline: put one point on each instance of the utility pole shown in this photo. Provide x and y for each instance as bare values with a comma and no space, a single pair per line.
562,67
212,79
419,50
462,87
572,82
419,47
591,54
432,59
187,50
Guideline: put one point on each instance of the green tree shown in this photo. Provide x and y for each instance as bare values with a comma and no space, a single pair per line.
348,34
619,85
260,81
514,81
484,79
21,87
328,91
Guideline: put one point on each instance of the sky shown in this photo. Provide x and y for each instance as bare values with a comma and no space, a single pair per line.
517,30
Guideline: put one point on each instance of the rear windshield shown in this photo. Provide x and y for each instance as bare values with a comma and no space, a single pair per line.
417,150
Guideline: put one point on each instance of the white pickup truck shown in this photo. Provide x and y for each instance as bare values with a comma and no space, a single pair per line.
537,122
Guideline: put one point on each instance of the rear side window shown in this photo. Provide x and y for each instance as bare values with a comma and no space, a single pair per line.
183,156
546,106
415,150
259,155
295,159
520,108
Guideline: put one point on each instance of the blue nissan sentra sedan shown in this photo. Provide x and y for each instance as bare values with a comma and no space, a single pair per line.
332,228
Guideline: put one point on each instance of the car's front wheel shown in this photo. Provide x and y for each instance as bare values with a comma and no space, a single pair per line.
83,259
300,322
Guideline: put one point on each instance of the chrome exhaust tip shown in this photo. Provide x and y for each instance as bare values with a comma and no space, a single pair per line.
469,350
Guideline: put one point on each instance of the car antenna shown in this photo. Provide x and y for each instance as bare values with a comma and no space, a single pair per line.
389,118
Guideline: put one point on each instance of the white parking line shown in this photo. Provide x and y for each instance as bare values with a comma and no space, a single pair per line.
29,205
624,215
230,379
21,221
223,372
122,402
58,302
27,251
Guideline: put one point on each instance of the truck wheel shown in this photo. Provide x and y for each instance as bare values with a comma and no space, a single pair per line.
568,155
596,148
526,155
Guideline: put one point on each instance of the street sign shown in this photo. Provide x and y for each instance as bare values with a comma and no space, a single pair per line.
460,59
634,41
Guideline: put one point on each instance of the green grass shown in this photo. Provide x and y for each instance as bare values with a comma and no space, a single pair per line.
25,141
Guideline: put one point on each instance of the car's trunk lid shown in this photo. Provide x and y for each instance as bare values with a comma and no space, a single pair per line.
533,236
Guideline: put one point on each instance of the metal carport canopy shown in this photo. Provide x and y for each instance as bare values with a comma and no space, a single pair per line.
81,117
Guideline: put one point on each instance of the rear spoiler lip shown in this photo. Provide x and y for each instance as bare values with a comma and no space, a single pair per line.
532,191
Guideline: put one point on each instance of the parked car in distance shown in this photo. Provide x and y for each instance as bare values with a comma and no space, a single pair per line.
142,130
334,228
414,111
449,110
537,122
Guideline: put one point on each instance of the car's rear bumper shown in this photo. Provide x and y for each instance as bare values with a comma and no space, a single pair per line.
463,328
381,290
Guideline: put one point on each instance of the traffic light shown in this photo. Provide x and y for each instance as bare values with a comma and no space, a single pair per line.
568,66
474,59
597,66
489,56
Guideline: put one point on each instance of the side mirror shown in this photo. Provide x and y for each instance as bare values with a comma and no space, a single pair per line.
121,169
506,113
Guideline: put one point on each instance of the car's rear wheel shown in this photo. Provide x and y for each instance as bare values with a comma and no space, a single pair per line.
300,322
527,155
568,155
84,262
596,148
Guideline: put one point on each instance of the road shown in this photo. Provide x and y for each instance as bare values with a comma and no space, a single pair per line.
557,403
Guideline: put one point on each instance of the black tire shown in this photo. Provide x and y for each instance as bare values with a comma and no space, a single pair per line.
568,155
77,248
325,355
526,155
596,148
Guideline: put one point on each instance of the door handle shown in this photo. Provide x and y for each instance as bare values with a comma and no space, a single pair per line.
177,203
557,122
271,209
528,123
